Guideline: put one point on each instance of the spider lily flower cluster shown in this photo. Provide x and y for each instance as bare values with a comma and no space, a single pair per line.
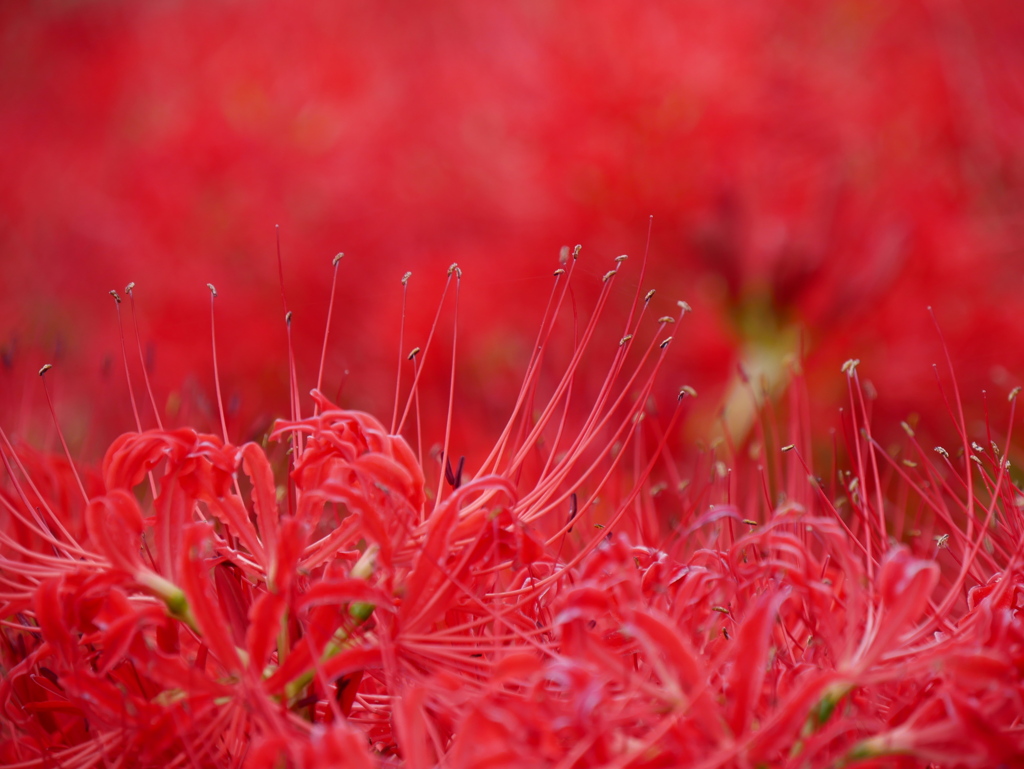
334,597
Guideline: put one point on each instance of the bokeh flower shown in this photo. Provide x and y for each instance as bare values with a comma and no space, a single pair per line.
818,174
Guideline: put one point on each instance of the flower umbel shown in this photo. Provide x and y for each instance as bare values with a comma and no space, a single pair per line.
574,598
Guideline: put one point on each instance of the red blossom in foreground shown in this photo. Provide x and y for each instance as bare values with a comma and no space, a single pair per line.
336,597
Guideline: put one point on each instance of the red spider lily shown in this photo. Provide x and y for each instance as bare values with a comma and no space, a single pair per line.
265,608
207,605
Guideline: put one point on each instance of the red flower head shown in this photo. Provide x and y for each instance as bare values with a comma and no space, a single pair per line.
230,604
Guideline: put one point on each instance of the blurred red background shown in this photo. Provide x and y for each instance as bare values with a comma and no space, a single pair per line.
818,173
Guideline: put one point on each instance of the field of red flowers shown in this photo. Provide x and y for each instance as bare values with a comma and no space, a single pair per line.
466,496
